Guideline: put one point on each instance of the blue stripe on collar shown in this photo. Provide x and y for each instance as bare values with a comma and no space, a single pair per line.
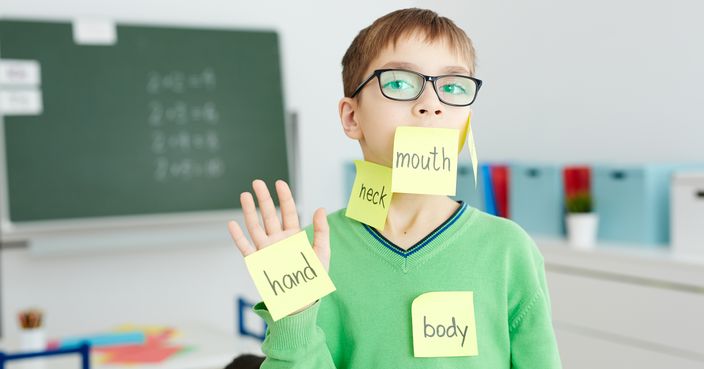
413,249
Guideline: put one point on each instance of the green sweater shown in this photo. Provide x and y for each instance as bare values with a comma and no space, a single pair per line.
366,322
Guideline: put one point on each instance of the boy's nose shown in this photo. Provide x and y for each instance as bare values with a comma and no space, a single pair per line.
428,102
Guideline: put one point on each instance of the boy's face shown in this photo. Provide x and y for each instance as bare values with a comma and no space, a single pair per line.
372,119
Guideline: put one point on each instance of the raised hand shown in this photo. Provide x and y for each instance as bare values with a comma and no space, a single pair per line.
276,229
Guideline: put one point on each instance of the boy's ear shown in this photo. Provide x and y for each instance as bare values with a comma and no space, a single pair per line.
347,109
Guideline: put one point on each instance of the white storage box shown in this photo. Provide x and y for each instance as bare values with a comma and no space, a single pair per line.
687,220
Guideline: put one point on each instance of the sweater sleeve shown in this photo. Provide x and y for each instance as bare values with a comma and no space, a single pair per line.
295,341
533,343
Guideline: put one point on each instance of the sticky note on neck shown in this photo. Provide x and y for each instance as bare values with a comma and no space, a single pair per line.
371,194
444,325
288,275
425,160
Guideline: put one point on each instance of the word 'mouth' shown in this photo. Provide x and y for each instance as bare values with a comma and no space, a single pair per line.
416,161
425,161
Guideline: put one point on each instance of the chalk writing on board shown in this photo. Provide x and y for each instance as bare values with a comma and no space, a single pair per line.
182,113
184,136
186,169
184,141
179,82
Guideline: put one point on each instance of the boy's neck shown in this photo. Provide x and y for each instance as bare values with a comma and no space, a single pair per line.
412,217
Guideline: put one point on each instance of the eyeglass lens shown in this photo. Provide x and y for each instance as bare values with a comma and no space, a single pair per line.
405,85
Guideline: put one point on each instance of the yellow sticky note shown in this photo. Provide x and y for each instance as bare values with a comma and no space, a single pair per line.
288,275
473,156
371,194
444,325
425,160
463,134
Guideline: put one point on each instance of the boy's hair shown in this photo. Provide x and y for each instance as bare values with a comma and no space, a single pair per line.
388,29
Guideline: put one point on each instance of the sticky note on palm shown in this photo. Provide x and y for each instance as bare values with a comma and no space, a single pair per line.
444,325
288,275
425,160
371,194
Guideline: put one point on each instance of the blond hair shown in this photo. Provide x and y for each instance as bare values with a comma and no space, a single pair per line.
370,41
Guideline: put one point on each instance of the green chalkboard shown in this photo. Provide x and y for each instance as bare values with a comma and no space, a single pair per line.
165,120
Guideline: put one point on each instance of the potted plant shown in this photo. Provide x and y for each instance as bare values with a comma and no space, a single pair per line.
582,222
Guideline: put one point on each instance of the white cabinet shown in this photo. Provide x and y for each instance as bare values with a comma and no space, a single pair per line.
616,307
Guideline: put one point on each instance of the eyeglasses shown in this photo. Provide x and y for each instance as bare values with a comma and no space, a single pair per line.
406,85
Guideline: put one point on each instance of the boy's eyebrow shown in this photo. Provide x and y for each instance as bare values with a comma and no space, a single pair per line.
456,69
401,65
411,66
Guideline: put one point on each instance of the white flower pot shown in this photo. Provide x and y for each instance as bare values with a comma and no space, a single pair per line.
581,229
32,340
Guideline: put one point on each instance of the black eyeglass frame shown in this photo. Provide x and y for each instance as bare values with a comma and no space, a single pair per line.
377,73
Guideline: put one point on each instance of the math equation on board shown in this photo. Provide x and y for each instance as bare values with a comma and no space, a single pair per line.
184,125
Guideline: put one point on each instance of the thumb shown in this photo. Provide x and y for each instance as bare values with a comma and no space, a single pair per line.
321,237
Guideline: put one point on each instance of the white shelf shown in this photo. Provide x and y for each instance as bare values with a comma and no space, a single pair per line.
629,263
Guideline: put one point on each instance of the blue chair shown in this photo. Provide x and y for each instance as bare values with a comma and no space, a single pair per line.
83,350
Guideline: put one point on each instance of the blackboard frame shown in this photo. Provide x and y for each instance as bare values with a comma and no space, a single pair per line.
76,228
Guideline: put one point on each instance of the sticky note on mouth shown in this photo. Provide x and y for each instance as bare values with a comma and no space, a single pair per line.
288,275
444,324
425,160
371,194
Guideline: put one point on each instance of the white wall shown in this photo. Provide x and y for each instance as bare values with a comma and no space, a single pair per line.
589,81
565,81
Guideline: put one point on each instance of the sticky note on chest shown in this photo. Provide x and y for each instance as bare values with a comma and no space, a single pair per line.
288,275
371,194
425,160
444,325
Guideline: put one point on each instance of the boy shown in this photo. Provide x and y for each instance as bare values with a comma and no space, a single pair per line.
430,243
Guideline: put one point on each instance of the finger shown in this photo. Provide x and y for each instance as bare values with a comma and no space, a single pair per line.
239,238
266,206
321,237
251,220
289,215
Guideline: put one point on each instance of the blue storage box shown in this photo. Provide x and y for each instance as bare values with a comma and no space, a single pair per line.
465,186
536,198
632,202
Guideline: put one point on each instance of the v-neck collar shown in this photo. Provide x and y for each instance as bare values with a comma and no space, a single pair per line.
421,250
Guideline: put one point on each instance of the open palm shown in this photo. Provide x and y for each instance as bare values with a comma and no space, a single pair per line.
276,229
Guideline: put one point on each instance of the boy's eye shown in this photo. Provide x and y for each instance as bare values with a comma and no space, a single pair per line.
398,85
454,89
